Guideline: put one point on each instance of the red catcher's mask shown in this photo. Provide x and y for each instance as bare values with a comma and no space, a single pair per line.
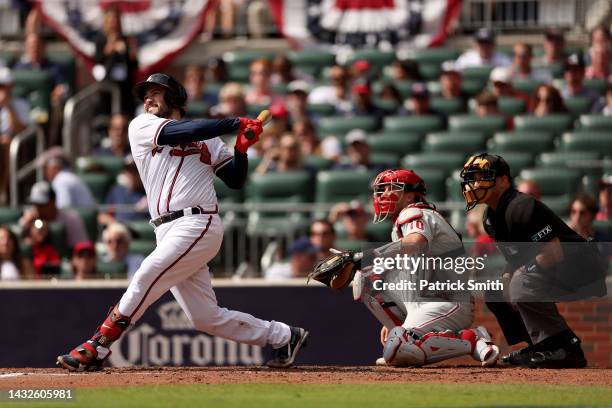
389,187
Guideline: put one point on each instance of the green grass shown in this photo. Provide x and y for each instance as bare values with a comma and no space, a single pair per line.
339,396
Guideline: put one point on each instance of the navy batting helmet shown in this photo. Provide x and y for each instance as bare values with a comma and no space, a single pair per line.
175,95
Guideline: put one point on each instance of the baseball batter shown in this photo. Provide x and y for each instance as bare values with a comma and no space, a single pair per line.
416,332
177,160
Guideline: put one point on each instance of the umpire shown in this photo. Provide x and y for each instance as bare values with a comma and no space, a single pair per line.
546,262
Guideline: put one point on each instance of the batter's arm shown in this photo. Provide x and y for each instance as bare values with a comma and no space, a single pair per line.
187,131
234,173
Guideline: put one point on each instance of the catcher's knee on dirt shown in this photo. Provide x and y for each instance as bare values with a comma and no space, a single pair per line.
406,349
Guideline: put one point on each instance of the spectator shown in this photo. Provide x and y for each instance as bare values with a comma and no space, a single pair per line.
297,101
554,46
601,58
483,53
361,70
303,259
405,70
363,105
354,218
129,191
548,101
337,93
487,105
450,84
390,93
280,118
605,199
83,261
582,210
574,79
116,239
418,104
45,258
231,102
474,227
14,117
217,71
116,143
13,266
195,85
282,70
261,92
42,197
358,153
604,104
70,190
521,65
116,57
502,85
287,157
323,237
306,133
529,187
601,37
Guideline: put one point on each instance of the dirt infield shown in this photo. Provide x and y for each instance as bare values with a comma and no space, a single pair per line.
56,378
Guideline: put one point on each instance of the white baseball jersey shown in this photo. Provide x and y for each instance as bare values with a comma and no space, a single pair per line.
175,177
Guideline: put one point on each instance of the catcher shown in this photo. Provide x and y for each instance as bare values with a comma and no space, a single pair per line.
415,332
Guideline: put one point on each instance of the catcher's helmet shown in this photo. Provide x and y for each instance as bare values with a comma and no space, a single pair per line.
388,188
478,177
175,96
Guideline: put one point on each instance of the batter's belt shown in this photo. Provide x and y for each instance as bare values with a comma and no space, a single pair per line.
171,216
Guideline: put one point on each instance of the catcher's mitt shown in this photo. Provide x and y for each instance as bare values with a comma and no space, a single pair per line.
337,270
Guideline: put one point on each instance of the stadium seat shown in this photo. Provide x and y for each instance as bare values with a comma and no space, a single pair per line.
142,246
317,162
238,73
453,187
385,159
526,85
413,124
226,194
434,55
245,57
253,109
98,183
34,85
94,164
586,141
343,185
444,161
486,125
516,160
311,62
532,142
480,73
377,59
289,187
430,72
578,105
196,109
141,230
557,203
553,182
90,219
340,126
253,163
9,215
511,106
67,61
111,269
596,122
435,180
597,85
472,87
398,143
555,124
571,159
323,109
447,106
388,105
457,142
350,245
380,232
57,238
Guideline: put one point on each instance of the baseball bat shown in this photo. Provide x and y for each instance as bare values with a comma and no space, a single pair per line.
264,116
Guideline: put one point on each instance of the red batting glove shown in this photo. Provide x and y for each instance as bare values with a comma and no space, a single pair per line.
254,125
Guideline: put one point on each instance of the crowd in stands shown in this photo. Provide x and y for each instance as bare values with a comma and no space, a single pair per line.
484,81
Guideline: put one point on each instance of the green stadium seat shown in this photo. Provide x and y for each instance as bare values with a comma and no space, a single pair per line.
516,160
553,182
480,73
340,126
95,164
413,124
597,85
343,185
486,125
532,142
385,159
434,55
290,187
586,141
311,62
398,143
458,142
99,184
90,219
142,246
317,162
57,237
67,61
9,215
238,73
511,106
444,161
245,57
557,203
377,59
472,87
380,232
111,269
350,245
572,159
253,163
323,109
578,105
388,105
142,230
430,72
555,124
196,109
254,108
226,194
596,122
526,85
447,106
435,180
453,187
